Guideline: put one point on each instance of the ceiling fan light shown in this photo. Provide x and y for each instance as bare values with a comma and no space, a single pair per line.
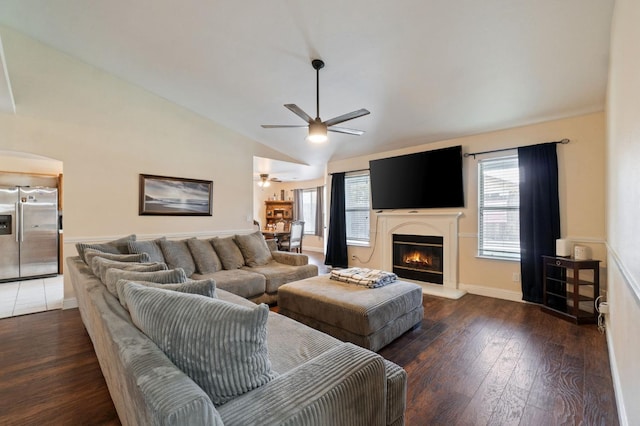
264,181
317,132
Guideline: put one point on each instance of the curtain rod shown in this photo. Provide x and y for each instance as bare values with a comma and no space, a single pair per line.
468,154
350,171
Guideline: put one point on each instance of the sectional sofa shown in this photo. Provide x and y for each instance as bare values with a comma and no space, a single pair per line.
244,265
306,377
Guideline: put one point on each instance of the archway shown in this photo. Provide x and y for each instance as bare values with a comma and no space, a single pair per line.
38,290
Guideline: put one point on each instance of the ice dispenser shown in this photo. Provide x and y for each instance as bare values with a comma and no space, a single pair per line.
5,224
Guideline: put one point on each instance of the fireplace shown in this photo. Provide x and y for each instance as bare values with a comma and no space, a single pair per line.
418,257
440,224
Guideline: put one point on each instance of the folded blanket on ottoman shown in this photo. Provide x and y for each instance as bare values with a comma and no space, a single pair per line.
371,278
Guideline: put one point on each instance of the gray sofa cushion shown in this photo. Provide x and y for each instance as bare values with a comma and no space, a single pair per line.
245,284
254,249
100,266
232,357
278,274
202,287
89,254
161,277
152,248
177,255
120,245
204,256
228,252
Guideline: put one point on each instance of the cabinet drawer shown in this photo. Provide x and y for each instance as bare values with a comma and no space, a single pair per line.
565,263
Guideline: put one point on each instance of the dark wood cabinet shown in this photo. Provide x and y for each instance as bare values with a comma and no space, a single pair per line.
277,211
570,288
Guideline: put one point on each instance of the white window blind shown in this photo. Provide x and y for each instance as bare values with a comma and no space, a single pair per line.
499,208
309,200
357,207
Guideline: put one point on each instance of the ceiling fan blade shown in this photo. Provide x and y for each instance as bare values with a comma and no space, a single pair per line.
299,112
282,126
347,131
348,116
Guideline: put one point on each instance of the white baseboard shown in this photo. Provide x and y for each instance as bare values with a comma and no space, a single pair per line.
498,293
70,303
615,376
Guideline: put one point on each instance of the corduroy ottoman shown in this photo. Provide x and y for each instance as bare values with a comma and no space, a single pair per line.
371,318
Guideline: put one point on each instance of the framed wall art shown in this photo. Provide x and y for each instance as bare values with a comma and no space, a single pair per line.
173,196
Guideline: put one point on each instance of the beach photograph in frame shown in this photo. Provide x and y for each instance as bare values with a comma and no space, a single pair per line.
172,196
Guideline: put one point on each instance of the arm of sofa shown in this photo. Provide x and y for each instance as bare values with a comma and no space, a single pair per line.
345,385
293,259
145,386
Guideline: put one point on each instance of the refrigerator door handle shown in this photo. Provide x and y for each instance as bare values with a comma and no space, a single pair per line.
19,221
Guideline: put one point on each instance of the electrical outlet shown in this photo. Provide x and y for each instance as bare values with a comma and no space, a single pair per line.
516,277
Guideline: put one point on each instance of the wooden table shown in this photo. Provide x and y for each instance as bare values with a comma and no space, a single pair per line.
279,236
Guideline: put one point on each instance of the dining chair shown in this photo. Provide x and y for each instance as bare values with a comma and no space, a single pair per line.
294,243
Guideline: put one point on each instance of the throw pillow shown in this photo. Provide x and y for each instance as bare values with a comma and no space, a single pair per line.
228,252
177,255
152,248
89,254
230,357
254,249
204,256
161,277
119,246
202,287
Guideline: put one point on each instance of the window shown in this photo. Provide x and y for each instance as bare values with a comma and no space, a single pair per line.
357,207
499,208
309,202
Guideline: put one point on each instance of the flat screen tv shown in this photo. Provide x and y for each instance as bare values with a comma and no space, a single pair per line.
430,179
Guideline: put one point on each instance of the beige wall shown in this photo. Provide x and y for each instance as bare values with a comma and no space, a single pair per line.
106,132
581,181
310,242
623,209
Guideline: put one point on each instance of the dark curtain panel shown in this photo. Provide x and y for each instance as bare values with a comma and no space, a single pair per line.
320,211
539,214
337,239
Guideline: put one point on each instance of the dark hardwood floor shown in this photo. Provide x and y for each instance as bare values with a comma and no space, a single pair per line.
49,373
484,361
474,361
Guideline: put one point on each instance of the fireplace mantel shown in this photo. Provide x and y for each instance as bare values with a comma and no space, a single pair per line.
442,224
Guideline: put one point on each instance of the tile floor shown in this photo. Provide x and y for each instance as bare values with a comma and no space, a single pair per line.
28,297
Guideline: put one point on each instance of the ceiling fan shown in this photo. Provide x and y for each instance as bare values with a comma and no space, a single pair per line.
318,128
265,181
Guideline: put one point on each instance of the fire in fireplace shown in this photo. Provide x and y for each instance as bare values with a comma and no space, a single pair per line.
418,257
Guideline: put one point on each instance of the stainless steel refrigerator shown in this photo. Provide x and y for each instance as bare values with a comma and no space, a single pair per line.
28,232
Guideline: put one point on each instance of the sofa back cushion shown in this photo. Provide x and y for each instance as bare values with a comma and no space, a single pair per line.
254,249
228,252
119,246
202,287
152,248
89,254
204,256
100,266
231,357
161,277
177,255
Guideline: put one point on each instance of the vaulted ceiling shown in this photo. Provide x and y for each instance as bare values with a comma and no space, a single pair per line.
427,70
